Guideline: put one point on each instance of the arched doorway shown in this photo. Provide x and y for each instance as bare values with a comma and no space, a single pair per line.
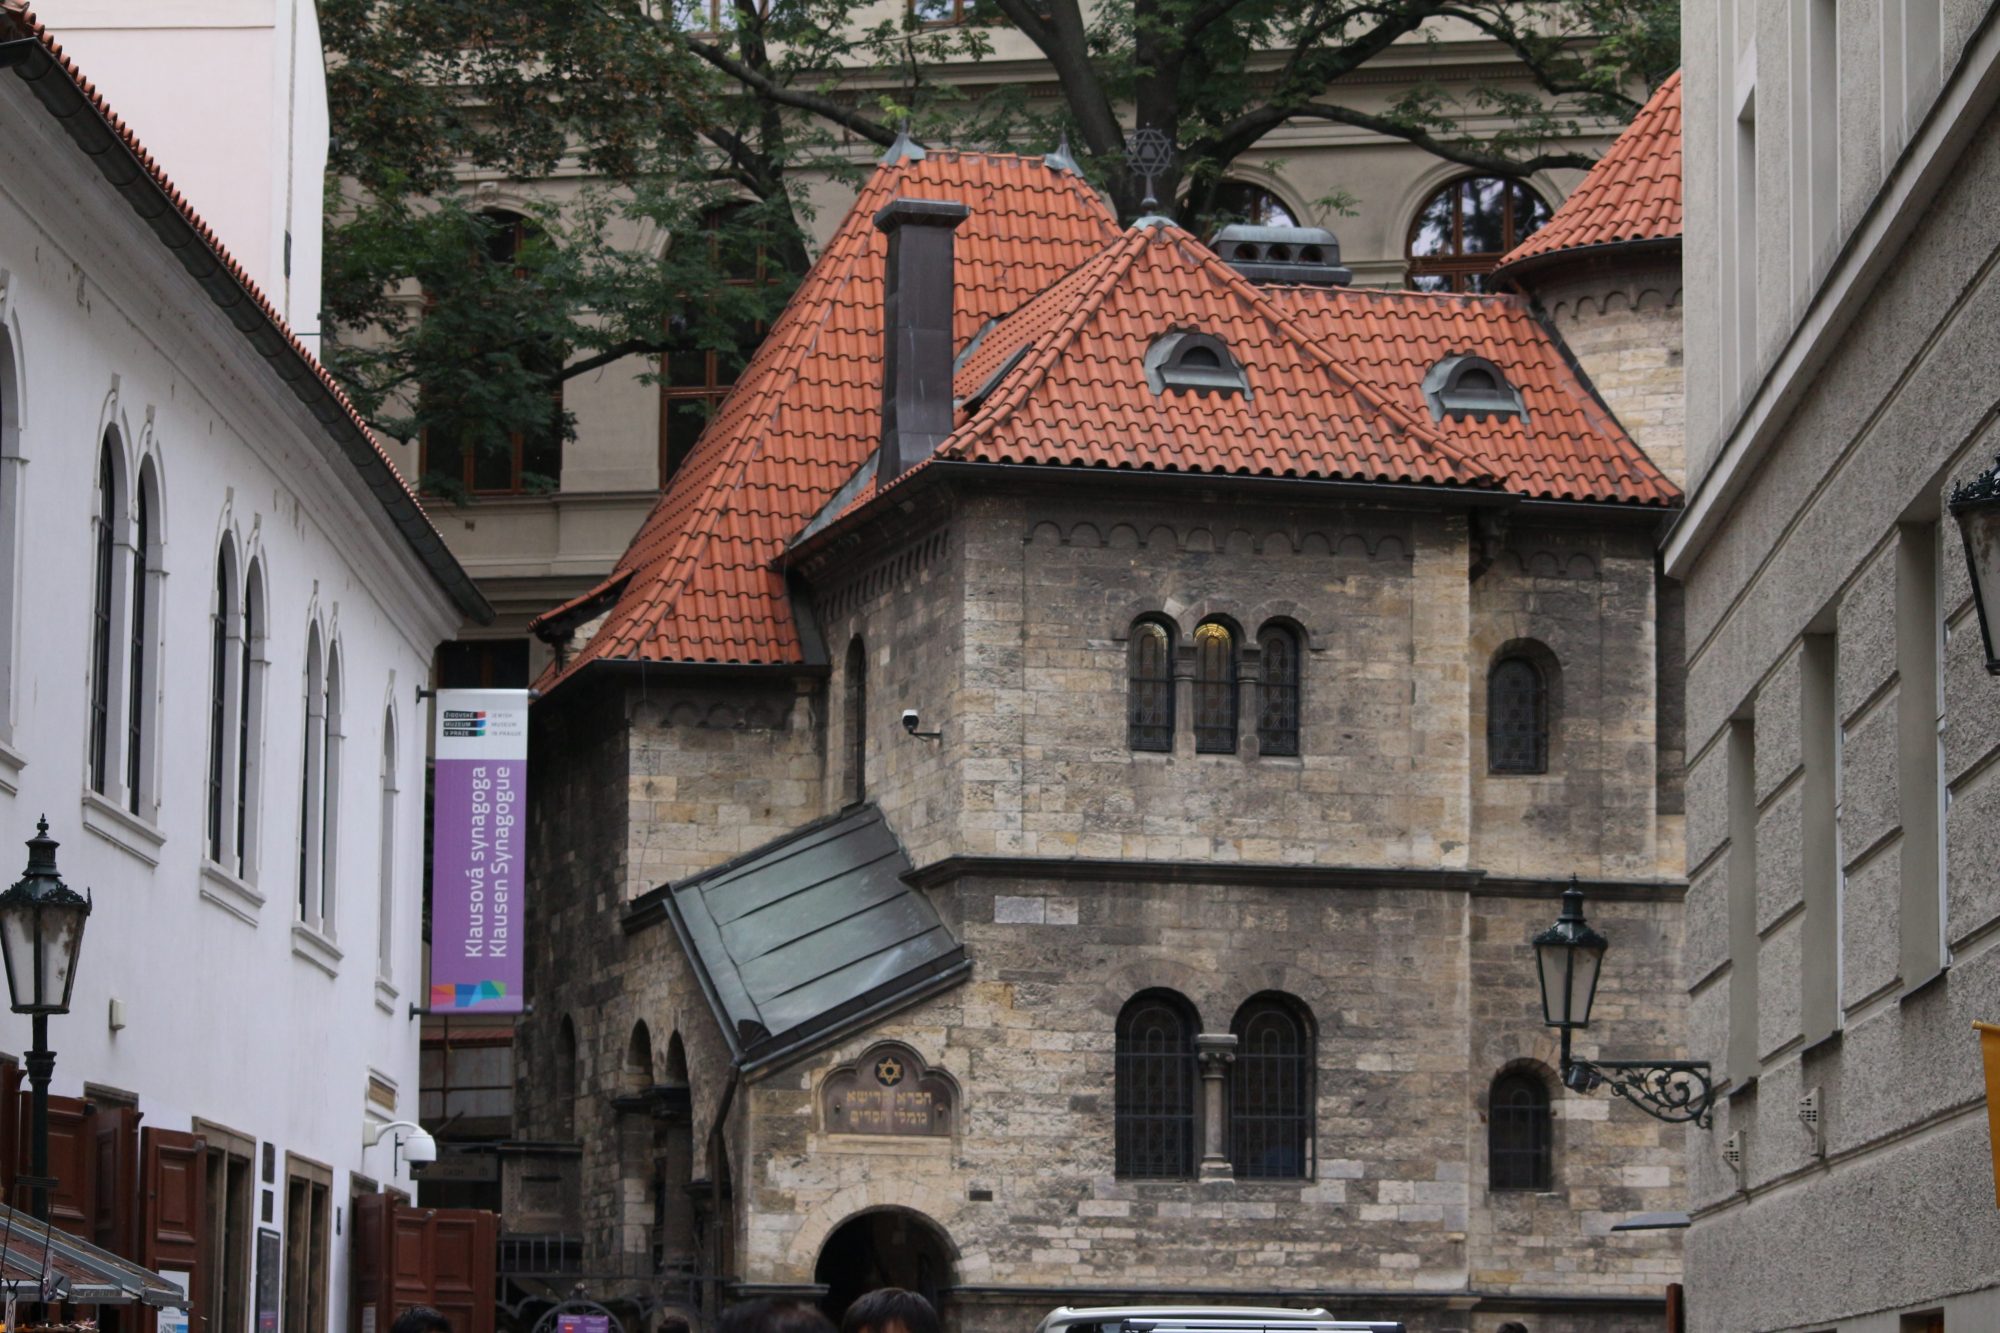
892,1247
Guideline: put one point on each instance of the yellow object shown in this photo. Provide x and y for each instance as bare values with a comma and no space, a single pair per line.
1989,1043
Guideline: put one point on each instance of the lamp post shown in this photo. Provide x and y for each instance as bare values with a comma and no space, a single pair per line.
1568,956
41,930
1976,506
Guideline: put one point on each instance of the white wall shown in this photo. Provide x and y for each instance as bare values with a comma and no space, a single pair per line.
231,1014
230,97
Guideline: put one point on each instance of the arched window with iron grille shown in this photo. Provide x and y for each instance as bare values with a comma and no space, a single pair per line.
1517,717
1519,1133
1149,713
1278,692
1271,1090
1214,688
1156,1085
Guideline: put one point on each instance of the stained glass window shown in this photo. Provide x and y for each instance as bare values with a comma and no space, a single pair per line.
1150,709
1214,689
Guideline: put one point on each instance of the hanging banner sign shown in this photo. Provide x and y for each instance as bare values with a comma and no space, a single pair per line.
479,824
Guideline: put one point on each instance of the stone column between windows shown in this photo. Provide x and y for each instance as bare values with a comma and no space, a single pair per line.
1216,1051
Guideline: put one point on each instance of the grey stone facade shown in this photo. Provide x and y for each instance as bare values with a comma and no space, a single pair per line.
1382,878
1840,725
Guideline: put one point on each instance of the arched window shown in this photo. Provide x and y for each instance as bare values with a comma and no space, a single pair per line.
1278,691
110,513
385,942
1156,1083
11,474
1517,717
250,725
1214,688
1271,1090
564,1126
329,822
1149,712
1519,1138
857,722
1240,201
138,717
639,1059
312,779
695,377
470,453
1462,231
225,682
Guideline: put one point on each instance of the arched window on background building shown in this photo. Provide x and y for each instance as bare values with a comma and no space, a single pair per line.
1156,1083
1149,711
1240,201
1519,1133
1215,693
1278,690
526,456
1271,1090
1462,231
1517,717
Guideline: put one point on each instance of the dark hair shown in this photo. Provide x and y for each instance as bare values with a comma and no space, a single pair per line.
772,1316
883,1310
420,1319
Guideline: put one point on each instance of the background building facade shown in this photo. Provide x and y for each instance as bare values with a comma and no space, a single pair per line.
216,603
1840,161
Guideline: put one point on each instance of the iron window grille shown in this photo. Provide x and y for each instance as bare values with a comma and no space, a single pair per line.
1271,1093
1278,696
1156,1082
1150,706
1517,722
1214,689
1519,1138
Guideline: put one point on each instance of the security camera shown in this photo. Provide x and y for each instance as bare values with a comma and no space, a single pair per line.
910,720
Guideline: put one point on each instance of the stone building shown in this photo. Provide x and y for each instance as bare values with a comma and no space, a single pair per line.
1074,836
1842,900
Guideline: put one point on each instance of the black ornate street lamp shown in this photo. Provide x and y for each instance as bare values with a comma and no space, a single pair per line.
41,932
1567,958
1976,506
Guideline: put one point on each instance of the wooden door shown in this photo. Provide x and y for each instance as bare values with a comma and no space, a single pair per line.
463,1242
72,1161
115,1180
441,1257
173,1187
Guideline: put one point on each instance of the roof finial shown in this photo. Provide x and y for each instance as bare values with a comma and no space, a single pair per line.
905,149
1062,159
1148,153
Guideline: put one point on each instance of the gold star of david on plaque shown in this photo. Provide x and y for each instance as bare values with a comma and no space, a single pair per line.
889,1071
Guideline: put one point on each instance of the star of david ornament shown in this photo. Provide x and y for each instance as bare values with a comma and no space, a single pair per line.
888,1071
1148,153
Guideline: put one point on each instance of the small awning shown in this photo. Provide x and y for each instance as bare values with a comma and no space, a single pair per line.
84,1273
812,937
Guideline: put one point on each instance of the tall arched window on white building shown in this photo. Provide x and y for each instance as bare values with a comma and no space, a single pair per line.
250,724
329,822
143,658
225,684
10,520
110,516
312,777
386,913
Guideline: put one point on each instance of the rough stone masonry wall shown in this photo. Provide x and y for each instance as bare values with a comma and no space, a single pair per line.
1419,996
1583,593
1622,321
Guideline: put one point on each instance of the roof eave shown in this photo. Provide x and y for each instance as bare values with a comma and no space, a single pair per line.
98,140
1513,269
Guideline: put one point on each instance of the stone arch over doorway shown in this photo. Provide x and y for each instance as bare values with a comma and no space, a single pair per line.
885,1247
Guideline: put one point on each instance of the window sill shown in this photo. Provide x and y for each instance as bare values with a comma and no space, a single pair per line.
386,995
229,893
1924,984
123,829
315,948
12,761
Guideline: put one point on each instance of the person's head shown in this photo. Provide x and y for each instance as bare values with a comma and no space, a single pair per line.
772,1316
420,1319
890,1310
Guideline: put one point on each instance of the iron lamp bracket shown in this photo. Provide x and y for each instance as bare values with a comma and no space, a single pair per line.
1676,1091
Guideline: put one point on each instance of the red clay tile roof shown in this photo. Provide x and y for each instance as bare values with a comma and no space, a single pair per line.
202,253
1335,378
806,412
1632,194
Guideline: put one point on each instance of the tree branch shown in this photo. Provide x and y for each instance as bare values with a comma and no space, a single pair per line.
1256,124
1504,32
615,352
1062,40
773,91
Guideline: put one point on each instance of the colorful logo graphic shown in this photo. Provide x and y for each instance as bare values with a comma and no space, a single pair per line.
464,723
467,995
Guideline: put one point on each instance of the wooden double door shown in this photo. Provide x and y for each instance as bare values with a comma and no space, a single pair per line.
406,1255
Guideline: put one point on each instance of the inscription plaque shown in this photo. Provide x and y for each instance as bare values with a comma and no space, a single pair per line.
889,1091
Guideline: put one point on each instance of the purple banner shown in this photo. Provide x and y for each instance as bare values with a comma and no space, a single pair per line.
478,833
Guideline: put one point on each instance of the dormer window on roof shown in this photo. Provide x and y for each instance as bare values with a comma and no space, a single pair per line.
1196,362
1471,386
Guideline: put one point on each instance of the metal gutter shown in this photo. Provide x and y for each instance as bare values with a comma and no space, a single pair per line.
212,270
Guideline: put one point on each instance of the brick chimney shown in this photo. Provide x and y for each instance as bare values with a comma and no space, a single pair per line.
916,331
